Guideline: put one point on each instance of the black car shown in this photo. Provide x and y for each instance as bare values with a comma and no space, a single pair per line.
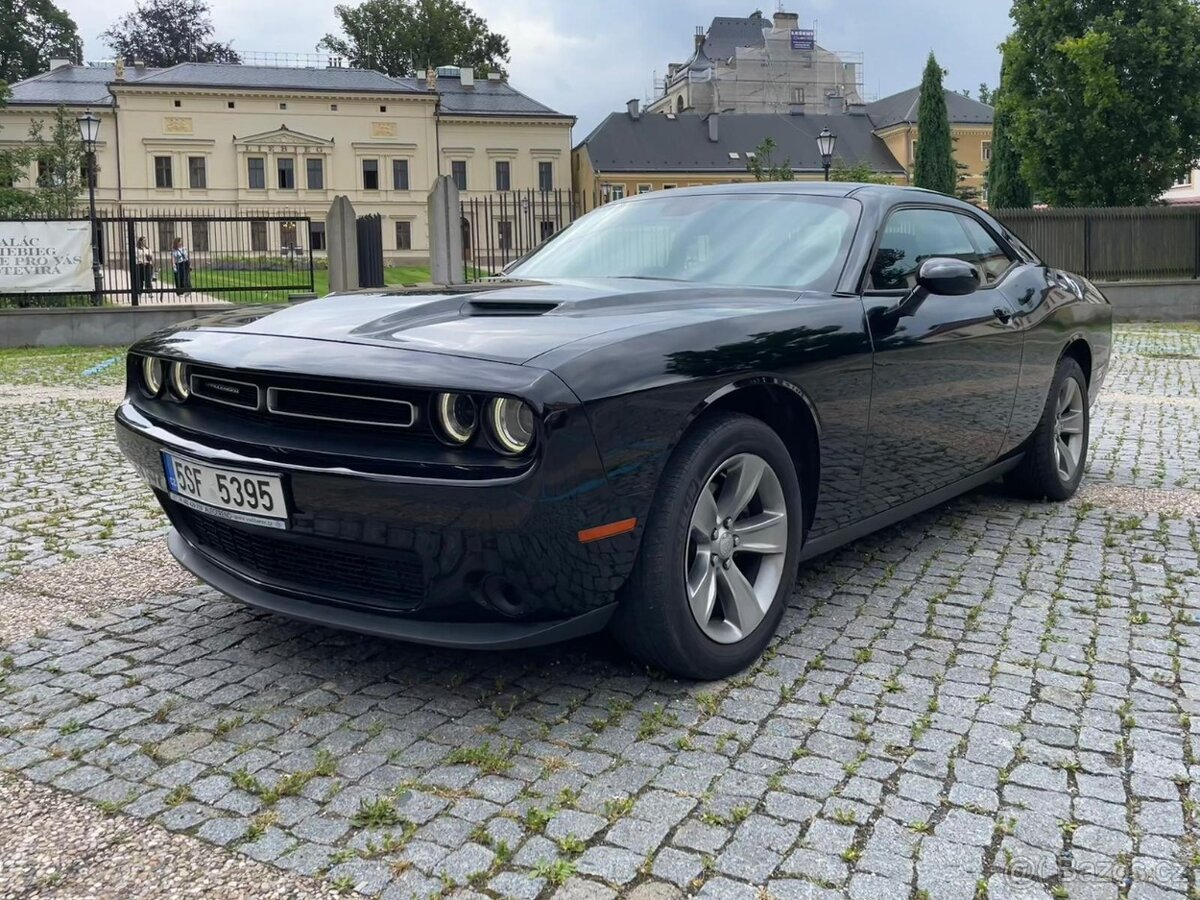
646,425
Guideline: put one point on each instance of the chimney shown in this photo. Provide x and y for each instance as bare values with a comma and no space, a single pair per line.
139,64
494,76
431,78
836,105
119,69
786,21
634,109
714,133
59,62
699,36
466,76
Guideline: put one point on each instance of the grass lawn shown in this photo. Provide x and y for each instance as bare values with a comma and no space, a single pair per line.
204,280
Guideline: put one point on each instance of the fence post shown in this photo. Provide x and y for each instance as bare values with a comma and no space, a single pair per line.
1087,246
131,262
1196,244
445,233
341,227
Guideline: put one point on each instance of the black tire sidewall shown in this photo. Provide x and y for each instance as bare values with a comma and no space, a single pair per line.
1055,488
660,572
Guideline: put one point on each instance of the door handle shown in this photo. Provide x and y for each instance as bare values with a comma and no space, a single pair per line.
1003,314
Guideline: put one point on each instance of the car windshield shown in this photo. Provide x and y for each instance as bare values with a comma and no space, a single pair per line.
761,240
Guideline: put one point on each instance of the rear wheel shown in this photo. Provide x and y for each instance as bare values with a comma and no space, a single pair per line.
718,557
1057,453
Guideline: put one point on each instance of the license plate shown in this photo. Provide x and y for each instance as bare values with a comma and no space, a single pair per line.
250,497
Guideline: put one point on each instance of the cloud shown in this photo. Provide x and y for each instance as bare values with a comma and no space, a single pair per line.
587,57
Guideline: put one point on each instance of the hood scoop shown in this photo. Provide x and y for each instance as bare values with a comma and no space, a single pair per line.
496,306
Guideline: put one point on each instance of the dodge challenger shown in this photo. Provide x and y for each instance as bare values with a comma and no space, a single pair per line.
647,425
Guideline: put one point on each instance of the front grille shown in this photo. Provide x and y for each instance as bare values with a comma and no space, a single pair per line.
384,579
352,409
225,390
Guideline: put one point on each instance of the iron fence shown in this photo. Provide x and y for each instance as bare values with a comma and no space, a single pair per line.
498,229
1113,243
246,257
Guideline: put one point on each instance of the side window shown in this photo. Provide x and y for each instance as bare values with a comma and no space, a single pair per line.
993,259
912,236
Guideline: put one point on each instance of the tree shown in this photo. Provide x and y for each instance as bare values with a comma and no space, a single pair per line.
60,159
168,32
405,37
1104,97
934,168
32,32
15,203
762,166
986,94
1007,188
860,173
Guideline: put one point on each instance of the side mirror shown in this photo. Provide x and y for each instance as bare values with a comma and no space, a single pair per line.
948,277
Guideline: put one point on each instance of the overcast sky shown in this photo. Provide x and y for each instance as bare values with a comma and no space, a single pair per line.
587,57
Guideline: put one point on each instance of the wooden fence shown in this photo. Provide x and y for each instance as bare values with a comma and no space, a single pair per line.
1113,244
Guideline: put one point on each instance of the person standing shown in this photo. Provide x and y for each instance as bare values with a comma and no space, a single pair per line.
183,268
144,258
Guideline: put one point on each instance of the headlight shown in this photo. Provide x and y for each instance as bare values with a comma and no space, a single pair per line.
457,417
511,425
152,375
179,380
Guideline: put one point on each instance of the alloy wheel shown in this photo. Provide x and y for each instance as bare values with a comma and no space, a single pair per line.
1068,430
737,544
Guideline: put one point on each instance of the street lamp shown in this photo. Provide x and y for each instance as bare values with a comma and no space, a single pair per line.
89,134
826,141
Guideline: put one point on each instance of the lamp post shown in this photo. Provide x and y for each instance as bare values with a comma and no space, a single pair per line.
826,141
89,133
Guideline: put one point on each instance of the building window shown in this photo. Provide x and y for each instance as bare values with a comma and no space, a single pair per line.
644,188
503,175
166,235
285,169
504,231
197,173
258,235
316,235
230,104
287,234
798,96
256,173
545,176
400,174
985,151
333,107
383,109
162,172
370,174
458,171
178,103
616,192
200,236
315,167
283,106
545,228
669,187
404,235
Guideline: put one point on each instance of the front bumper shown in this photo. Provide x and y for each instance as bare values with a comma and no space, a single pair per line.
497,563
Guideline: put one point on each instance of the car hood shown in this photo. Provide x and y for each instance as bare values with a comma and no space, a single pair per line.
505,321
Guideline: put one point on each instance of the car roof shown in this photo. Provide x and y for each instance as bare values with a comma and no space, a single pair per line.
885,195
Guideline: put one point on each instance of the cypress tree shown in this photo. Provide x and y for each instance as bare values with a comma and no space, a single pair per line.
1007,187
934,168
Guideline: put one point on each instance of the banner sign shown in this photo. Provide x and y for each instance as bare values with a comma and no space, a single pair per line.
804,39
45,257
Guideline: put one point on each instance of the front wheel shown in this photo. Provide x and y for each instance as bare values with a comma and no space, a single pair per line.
1057,452
718,557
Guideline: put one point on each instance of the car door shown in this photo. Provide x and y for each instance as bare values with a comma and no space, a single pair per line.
943,378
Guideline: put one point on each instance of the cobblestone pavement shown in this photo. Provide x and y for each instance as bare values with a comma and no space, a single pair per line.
994,699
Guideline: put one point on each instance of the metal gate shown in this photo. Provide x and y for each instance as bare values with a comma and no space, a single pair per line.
245,258
499,229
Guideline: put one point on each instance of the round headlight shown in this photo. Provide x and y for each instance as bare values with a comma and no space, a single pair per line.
511,424
457,417
152,375
179,380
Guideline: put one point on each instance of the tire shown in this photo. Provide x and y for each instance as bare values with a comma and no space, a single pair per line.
1043,474
680,558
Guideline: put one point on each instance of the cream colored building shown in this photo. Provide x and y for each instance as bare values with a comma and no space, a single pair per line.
238,140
